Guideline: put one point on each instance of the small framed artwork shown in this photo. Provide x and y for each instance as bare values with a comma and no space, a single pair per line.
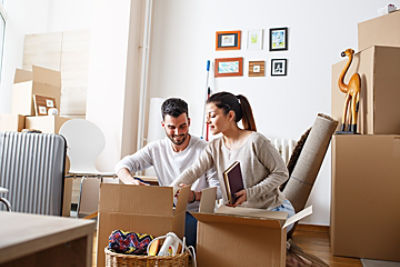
279,67
256,68
278,39
226,67
254,40
42,104
227,40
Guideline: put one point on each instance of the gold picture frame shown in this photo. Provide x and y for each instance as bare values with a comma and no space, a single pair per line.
256,68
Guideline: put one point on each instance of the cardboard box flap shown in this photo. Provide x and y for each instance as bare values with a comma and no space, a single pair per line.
236,219
253,213
182,199
22,76
208,197
133,199
298,216
46,76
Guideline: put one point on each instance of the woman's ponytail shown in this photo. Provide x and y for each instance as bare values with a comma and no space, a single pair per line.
247,114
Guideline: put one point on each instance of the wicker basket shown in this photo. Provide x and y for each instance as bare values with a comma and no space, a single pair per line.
118,259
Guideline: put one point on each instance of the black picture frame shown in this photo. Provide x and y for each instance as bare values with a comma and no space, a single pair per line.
279,67
278,39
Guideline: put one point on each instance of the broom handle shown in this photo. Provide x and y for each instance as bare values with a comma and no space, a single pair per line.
206,97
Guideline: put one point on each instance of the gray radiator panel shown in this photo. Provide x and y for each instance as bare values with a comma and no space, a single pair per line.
32,169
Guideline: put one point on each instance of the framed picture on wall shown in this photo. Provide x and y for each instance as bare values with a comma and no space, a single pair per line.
227,40
279,67
227,67
42,104
255,40
256,68
278,39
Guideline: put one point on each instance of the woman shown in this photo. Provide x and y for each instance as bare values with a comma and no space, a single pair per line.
263,169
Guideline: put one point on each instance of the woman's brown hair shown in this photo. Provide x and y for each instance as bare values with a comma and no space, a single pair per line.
239,104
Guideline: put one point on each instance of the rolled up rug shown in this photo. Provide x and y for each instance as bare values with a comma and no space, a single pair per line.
301,180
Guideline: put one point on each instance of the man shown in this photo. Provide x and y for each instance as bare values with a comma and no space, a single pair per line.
170,157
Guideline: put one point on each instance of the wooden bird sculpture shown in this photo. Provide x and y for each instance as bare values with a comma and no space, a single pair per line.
352,91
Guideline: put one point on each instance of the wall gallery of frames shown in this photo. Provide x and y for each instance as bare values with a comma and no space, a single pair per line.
231,40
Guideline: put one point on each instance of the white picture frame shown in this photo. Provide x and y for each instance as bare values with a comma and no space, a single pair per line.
255,39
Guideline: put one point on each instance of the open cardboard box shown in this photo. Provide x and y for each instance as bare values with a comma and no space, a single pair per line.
40,81
141,209
241,236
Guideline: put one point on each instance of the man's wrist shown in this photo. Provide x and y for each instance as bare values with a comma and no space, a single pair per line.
193,197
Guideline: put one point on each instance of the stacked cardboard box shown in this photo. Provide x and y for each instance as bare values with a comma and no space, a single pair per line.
365,169
40,81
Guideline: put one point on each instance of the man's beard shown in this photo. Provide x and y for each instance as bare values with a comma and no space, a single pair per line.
180,142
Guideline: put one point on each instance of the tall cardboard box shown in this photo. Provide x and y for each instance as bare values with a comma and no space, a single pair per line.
365,213
46,124
12,122
241,236
40,81
142,209
379,111
383,30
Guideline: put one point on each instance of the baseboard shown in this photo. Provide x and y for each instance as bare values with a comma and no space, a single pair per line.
312,228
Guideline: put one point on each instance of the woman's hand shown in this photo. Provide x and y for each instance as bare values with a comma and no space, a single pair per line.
241,197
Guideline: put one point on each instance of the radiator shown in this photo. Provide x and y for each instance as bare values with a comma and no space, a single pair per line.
285,147
32,169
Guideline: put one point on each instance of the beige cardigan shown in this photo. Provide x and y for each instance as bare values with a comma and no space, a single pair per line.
263,169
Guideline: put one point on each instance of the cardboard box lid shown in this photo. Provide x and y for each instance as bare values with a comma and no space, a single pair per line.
38,74
141,200
22,76
382,30
245,216
46,76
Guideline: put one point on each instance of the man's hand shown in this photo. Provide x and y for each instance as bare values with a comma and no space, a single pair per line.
125,177
193,196
241,197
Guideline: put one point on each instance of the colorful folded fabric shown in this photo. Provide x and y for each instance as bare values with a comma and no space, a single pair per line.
129,242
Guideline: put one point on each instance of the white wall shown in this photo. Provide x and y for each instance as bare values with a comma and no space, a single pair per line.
24,17
183,38
112,101
30,17
69,15
113,81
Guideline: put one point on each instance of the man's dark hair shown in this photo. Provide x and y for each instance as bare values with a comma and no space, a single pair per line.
174,107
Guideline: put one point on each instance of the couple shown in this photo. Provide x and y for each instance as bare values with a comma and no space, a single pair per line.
182,159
